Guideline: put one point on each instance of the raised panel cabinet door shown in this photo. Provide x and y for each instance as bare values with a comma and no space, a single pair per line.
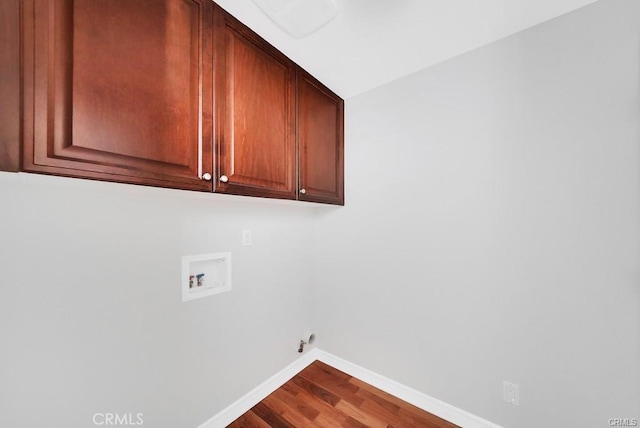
119,90
320,142
255,108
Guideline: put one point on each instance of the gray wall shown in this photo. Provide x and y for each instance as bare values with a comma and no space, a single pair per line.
492,226
91,318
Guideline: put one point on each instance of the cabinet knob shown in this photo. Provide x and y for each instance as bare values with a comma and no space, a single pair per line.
224,179
206,176
303,191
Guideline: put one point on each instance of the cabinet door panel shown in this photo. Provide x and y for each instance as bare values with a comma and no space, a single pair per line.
320,141
255,103
119,90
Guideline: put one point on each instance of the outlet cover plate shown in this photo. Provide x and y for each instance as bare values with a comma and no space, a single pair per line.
511,393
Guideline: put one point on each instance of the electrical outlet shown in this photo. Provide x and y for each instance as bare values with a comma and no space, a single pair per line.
511,393
246,238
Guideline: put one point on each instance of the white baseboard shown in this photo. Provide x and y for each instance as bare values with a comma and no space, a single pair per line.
257,394
423,401
410,395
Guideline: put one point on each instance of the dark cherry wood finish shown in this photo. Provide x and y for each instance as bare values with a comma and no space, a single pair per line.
119,90
321,396
320,131
255,113
130,91
9,85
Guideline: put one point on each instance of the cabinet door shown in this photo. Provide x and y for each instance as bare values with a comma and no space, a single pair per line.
320,142
119,90
255,108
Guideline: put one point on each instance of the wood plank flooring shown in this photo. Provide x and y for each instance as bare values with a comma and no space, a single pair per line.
322,396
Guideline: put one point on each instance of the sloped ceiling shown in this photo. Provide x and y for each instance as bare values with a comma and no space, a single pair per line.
372,42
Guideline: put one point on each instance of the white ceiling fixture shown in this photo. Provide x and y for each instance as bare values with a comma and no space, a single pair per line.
299,18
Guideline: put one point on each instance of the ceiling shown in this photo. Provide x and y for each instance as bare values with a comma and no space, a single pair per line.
372,42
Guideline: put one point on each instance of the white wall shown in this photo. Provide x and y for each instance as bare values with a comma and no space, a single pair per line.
91,318
492,226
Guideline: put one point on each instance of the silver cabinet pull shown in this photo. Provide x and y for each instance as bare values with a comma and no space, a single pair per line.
303,191
206,176
224,179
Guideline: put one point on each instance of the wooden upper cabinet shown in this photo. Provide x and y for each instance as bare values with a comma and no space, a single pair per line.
170,93
119,90
255,113
320,134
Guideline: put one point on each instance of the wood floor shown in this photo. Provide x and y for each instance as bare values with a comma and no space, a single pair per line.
321,396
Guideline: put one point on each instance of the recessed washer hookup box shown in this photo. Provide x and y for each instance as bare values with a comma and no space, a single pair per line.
205,275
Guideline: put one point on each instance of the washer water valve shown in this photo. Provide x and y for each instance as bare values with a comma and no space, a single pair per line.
309,341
